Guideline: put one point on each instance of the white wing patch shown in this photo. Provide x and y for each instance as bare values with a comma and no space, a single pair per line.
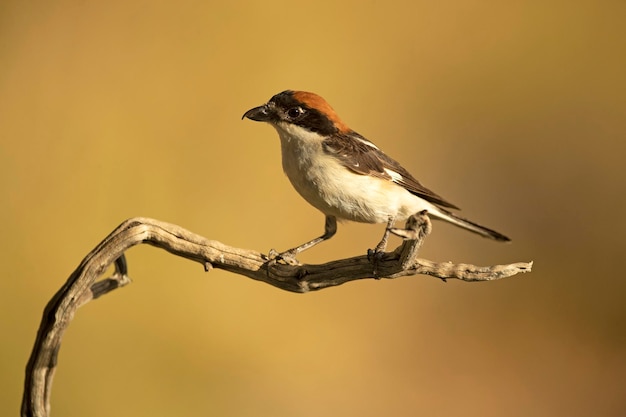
395,177
365,141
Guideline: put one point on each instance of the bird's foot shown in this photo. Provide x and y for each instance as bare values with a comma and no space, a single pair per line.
287,257
375,256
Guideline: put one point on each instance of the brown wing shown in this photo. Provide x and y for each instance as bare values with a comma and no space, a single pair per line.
363,157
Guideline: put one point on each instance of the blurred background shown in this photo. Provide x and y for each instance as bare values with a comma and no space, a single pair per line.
515,111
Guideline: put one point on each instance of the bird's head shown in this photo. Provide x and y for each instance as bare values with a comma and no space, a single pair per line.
301,109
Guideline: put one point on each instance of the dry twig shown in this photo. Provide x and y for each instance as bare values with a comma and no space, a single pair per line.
82,286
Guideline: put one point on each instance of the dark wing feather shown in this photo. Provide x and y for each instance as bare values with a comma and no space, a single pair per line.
363,157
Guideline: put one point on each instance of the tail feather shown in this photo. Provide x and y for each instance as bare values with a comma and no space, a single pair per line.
468,225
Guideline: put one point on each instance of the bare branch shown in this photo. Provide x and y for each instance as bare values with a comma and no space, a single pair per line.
82,286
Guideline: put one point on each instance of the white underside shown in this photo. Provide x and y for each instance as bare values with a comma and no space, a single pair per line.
335,190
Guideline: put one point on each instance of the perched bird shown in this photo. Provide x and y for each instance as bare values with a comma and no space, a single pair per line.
343,174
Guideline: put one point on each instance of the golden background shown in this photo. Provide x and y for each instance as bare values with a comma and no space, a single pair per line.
515,111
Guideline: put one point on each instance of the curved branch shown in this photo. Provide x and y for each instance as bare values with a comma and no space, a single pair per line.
82,286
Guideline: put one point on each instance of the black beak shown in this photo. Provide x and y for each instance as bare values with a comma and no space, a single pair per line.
259,114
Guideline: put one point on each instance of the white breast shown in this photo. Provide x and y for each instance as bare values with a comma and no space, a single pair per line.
335,190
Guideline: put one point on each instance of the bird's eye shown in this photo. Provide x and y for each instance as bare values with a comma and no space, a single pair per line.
294,112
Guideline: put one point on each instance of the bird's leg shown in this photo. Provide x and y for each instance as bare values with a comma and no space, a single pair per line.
376,255
289,256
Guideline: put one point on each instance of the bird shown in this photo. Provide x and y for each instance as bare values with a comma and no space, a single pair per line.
346,176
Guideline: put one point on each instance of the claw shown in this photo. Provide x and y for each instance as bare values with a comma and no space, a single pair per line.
375,256
287,257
